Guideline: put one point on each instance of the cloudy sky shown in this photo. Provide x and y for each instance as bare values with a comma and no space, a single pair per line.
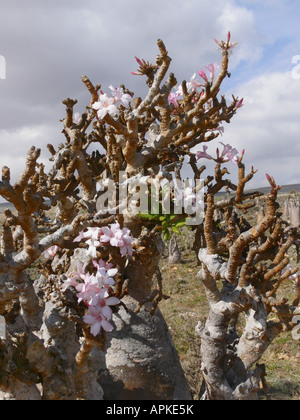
47,46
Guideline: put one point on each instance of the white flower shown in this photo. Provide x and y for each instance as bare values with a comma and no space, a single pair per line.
76,118
119,96
193,84
106,105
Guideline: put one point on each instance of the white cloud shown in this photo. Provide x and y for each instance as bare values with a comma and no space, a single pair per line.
241,22
22,139
49,45
268,127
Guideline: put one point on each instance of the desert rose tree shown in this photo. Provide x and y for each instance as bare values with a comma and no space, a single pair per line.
80,282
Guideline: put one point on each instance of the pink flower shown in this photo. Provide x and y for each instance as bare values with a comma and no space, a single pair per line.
105,106
91,291
51,252
72,281
203,154
193,84
203,75
92,288
173,99
220,129
120,238
75,275
178,91
229,153
119,96
95,287
239,104
93,245
96,320
76,118
105,277
99,314
80,273
80,237
212,68
69,282
105,306
91,233
102,264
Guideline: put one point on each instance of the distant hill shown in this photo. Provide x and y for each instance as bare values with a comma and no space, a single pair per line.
285,189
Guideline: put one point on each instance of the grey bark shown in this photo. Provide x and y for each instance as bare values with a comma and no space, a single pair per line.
228,361
39,357
141,361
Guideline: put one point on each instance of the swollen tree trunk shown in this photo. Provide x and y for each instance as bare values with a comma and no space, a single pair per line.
141,361
227,358
45,357
41,355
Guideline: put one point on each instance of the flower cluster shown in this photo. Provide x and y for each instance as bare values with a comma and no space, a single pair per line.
191,86
229,154
113,235
194,84
107,104
95,291
197,87
212,68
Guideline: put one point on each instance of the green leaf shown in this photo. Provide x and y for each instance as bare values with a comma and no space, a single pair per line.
180,224
167,216
145,216
176,230
167,235
165,224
